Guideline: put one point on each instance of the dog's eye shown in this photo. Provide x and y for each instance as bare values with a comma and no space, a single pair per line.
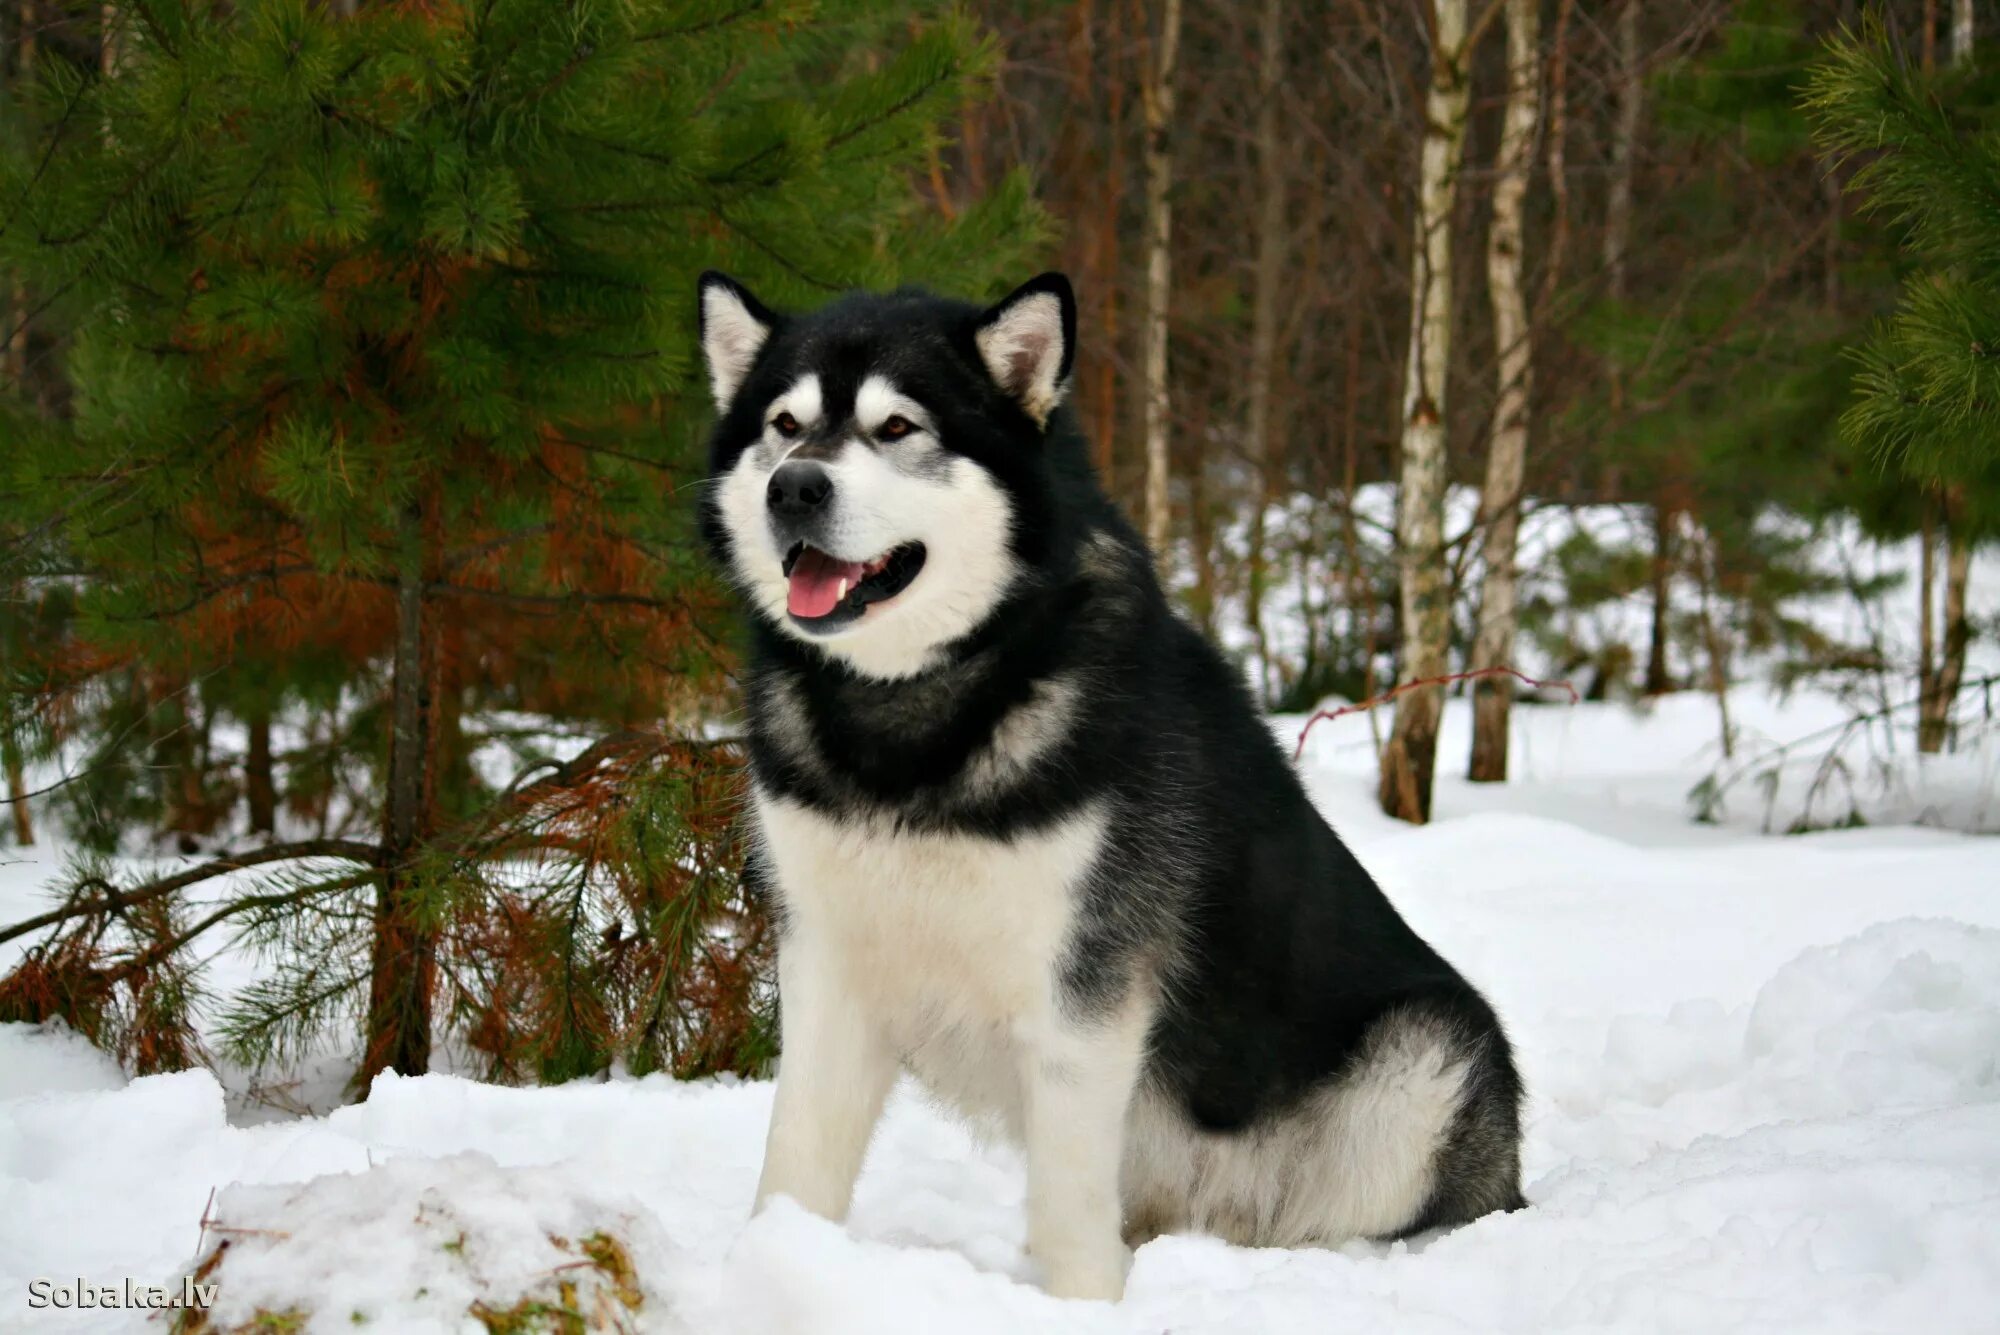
895,428
787,424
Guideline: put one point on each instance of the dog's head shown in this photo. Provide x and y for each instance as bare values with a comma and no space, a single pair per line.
877,467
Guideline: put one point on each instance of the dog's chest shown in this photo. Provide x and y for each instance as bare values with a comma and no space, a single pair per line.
934,934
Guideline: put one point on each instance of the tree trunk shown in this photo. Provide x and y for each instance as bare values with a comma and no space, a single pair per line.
14,369
1159,99
1410,758
16,314
1930,734
1112,261
110,41
1507,458
260,788
1943,670
17,793
1658,680
1717,649
1264,316
1360,582
1934,723
1558,156
403,956
1617,236
11,759
1957,633
1624,139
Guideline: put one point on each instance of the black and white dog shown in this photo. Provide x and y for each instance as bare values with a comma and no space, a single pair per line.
1027,835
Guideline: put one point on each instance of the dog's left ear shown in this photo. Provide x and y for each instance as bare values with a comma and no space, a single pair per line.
1028,342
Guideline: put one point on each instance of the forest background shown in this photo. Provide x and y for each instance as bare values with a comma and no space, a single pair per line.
352,427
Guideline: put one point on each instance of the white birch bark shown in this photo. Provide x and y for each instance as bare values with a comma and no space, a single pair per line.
1410,758
1506,460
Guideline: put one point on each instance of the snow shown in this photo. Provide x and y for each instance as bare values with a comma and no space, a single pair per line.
1764,1082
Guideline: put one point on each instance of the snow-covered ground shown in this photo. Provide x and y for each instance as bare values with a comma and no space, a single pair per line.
1764,1095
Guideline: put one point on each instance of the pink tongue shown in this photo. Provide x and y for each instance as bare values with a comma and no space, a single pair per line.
816,579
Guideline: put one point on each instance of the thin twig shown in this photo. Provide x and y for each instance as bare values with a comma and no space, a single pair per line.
1387,696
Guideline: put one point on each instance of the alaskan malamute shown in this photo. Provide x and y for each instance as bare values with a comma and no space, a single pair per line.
1027,836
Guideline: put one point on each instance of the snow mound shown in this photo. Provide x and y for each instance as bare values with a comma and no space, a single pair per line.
1905,1014
52,1058
419,1244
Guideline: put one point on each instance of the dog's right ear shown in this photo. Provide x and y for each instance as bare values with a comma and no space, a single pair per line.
734,328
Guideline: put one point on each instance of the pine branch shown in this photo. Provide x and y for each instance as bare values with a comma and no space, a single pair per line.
161,950
115,901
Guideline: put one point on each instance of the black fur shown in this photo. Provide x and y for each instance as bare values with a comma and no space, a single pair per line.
1282,950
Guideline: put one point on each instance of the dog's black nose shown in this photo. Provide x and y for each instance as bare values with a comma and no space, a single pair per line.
798,489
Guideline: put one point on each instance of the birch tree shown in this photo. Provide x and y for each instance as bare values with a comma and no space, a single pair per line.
1158,95
1410,758
1506,460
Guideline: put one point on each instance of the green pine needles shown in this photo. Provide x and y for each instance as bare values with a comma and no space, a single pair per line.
1929,378
373,482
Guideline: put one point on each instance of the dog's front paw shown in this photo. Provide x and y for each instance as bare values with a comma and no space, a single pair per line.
1098,1273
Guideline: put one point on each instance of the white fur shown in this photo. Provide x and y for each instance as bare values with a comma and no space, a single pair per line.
731,337
1025,734
941,951
878,400
906,491
1023,352
804,401
1355,1161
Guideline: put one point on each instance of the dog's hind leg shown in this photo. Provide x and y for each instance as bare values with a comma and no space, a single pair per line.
834,1074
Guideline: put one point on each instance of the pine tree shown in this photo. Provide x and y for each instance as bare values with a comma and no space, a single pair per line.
1723,353
385,396
1927,402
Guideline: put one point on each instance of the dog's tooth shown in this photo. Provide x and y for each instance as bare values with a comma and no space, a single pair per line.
843,590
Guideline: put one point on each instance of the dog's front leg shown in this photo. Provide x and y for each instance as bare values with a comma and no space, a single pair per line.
1078,1088
833,1074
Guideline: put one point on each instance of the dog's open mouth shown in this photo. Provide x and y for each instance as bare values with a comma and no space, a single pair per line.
826,590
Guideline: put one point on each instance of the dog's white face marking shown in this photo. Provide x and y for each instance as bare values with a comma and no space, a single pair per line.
731,337
804,401
887,493
878,400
